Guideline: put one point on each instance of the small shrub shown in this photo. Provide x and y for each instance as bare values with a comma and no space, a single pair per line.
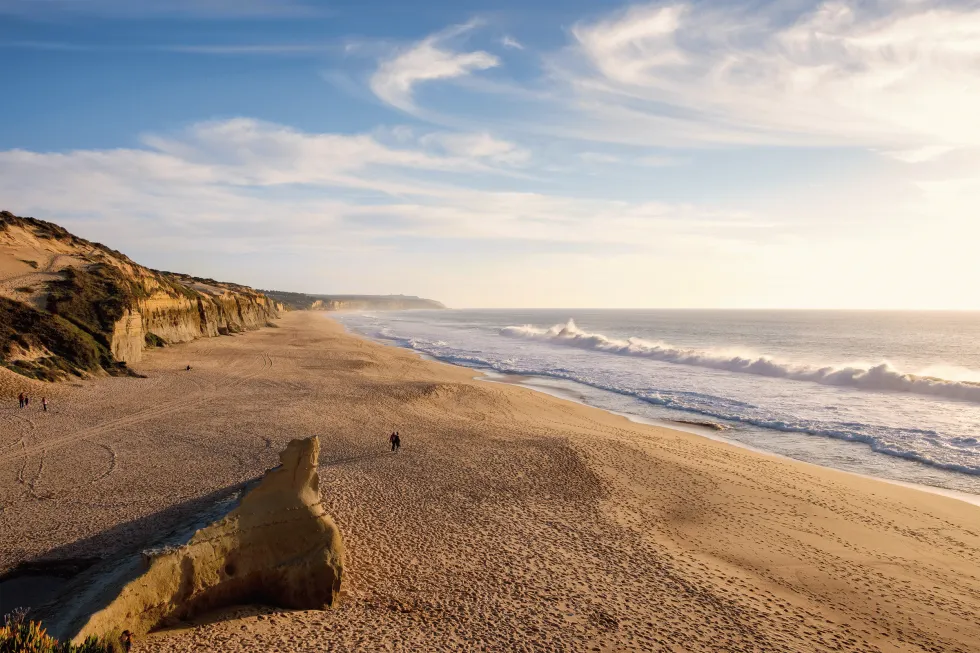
25,289
33,264
153,340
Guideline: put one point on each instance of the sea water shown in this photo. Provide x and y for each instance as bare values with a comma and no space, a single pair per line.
889,394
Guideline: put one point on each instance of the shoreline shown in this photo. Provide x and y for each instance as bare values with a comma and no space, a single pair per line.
509,520
711,434
686,427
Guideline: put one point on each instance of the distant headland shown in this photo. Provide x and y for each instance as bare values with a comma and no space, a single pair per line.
301,301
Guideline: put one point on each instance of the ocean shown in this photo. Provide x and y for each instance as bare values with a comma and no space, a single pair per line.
894,395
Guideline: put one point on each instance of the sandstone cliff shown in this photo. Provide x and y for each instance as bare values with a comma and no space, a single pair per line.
105,301
276,545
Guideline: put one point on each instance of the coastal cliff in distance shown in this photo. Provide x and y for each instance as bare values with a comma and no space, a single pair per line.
301,301
71,306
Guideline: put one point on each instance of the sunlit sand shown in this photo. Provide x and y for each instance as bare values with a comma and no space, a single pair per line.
509,520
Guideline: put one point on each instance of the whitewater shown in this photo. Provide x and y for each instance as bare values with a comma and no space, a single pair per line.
894,395
881,376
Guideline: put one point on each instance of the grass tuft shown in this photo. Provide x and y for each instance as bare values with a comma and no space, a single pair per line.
18,635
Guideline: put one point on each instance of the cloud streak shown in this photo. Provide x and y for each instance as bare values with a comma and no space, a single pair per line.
428,60
897,76
245,172
839,73
48,10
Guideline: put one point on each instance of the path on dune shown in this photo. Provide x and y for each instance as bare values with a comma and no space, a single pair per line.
509,521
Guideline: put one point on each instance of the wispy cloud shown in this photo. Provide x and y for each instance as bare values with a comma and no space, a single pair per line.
247,152
225,49
897,76
428,60
242,171
478,146
51,10
920,154
47,45
258,49
511,42
901,73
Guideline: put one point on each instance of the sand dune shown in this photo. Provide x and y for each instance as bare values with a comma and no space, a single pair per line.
509,521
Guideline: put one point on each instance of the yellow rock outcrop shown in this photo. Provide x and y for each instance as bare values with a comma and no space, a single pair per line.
276,545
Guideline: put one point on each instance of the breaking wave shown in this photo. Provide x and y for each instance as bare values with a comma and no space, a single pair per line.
882,376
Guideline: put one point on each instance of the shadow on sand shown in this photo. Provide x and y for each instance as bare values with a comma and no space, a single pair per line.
35,582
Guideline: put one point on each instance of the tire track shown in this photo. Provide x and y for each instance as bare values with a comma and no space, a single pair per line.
32,484
22,479
112,463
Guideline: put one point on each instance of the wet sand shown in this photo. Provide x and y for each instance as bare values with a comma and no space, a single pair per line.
510,520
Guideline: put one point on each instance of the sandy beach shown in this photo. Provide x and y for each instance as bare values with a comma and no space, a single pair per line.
510,520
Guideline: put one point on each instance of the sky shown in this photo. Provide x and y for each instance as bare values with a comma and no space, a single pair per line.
736,154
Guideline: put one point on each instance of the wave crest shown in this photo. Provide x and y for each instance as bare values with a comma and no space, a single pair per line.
875,377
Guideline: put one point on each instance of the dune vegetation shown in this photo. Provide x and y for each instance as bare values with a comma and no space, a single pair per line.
19,635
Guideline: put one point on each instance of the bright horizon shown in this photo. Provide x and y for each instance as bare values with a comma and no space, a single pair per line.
701,154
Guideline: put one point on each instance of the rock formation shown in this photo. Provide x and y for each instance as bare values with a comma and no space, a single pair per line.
275,545
114,304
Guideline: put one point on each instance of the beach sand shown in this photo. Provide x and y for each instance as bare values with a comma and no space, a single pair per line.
509,521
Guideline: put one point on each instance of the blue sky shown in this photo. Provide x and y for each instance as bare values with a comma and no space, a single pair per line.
706,154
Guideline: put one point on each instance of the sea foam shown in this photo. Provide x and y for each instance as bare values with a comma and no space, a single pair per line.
882,376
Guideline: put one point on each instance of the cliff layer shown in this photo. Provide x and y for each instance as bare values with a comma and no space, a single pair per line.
276,544
57,288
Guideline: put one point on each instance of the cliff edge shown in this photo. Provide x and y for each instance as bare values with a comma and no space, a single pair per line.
71,306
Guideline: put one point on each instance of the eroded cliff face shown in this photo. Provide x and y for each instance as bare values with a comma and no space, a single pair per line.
128,338
182,319
84,308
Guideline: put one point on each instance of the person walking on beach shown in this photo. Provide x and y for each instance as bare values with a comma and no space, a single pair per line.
397,444
20,398
27,401
391,439
44,403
